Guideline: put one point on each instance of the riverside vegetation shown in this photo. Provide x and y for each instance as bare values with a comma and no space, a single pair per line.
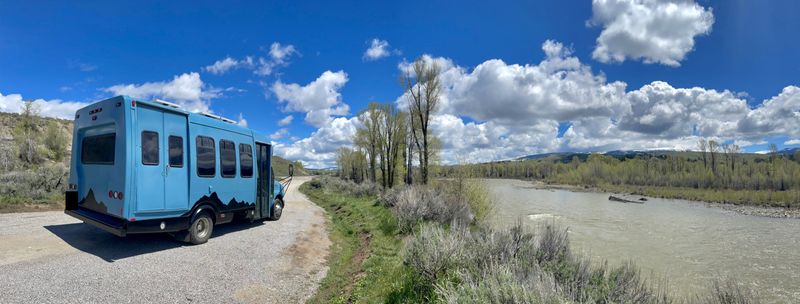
413,244
719,174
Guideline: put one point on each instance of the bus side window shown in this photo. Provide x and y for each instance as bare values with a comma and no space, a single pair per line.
227,158
175,151
206,157
150,148
246,160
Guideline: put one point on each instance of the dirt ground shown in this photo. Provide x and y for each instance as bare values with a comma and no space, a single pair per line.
49,257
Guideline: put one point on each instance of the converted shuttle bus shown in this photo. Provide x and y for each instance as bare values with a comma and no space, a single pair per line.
141,167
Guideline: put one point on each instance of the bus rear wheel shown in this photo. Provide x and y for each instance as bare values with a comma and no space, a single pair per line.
201,228
277,210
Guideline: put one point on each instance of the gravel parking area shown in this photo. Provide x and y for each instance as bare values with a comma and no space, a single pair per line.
49,257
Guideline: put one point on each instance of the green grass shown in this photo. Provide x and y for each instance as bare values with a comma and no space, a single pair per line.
366,263
11,204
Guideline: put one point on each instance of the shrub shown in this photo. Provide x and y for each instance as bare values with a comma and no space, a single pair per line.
501,284
434,252
56,141
728,292
337,185
517,265
8,156
416,204
471,191
553,245
37,184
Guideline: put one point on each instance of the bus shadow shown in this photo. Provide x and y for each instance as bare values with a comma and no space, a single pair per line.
111,248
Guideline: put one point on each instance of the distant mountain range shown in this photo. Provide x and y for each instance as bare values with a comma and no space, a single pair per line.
623,154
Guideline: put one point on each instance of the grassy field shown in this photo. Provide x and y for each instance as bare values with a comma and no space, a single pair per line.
366,264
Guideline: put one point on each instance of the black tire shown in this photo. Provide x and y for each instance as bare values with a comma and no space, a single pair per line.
277,210
201,228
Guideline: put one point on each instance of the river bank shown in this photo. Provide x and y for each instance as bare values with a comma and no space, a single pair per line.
635,193
417,244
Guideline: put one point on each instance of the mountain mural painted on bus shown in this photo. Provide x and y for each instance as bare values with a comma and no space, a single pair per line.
232,204
89,202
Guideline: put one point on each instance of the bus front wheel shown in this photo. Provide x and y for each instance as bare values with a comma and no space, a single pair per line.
277,210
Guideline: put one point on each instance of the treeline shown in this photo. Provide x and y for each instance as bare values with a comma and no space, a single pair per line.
715,168
389,140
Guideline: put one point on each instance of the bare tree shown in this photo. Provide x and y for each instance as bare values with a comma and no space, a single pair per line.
423,89
703,145
773,151
26,134
393,136
408,154
713,148
368,137
734,150
351,164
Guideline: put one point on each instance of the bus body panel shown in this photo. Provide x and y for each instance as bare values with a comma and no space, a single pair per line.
227,194
149,176
146,188
176,175
96,172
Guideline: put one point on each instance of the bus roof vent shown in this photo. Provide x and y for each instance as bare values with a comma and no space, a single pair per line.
167,103
206,114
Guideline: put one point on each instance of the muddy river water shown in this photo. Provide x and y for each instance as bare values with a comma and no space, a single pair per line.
685,242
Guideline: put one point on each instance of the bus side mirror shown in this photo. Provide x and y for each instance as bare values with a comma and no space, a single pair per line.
291,169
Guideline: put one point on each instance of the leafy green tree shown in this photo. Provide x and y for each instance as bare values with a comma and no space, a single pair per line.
423,90
26,135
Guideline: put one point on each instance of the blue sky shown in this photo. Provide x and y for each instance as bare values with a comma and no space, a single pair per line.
667,68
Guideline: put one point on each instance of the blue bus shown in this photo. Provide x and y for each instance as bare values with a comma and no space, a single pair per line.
146,167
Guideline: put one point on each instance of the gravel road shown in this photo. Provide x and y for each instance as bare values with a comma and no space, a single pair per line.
49,257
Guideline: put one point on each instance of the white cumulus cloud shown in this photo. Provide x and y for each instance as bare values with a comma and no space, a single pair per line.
654,31
241,120
286,120
222,66
56,108
319,99
187,90
499,110
278,56
377,49
319,149
280,53
279,134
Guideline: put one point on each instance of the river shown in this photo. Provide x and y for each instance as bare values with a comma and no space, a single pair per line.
685,242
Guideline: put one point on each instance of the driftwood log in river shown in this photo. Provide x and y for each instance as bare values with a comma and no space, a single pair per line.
623,200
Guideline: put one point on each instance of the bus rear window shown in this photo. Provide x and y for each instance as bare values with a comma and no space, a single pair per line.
98,149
